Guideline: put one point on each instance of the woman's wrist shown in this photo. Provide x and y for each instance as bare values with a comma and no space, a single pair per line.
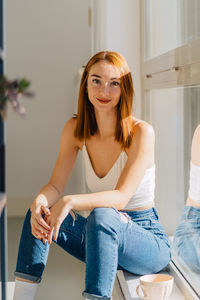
69,201
40,200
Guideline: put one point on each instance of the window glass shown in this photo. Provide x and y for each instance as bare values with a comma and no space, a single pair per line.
175,114
169,24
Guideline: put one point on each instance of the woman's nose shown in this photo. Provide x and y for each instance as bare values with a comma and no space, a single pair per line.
105,89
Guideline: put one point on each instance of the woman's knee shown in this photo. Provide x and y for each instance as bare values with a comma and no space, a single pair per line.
103,216
26,228
27,219
27,216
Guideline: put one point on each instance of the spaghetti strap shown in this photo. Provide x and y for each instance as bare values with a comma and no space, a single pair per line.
139,121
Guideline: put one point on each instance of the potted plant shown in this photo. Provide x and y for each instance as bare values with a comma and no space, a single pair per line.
10,91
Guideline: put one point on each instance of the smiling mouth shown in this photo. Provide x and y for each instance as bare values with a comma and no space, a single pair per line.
104,101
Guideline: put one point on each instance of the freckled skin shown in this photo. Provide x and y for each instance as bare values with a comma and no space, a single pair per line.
104,86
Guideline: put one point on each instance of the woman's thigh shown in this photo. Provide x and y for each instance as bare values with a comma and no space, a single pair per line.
144,246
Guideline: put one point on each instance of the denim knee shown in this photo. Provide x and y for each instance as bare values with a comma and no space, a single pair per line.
103,217
32,254
102,214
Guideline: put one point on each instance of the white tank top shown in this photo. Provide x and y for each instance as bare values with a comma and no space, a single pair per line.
144,194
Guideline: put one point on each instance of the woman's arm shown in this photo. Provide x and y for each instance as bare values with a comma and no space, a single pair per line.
141,156
52,191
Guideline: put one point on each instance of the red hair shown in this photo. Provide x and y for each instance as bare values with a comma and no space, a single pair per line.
86,121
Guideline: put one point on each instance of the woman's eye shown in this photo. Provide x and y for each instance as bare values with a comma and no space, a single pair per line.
96,81
115,83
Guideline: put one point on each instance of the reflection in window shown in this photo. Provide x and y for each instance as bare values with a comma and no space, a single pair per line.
186,241
175,114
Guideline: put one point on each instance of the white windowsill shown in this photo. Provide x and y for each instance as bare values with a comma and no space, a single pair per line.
181,291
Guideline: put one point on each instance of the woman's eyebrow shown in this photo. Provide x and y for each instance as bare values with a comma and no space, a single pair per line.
95,75
114,78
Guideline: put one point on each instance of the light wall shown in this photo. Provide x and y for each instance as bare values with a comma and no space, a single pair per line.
47,42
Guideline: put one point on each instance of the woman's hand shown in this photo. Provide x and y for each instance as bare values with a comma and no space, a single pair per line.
57,215
40,229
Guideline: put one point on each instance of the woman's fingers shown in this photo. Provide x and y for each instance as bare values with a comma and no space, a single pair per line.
37,234
42,222
39,231
40,236
37,222
42,229
46,210
50,236
39,227
56,231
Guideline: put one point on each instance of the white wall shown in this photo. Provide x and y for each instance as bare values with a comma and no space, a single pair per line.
46,42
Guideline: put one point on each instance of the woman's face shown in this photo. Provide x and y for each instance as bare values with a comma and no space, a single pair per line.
103,86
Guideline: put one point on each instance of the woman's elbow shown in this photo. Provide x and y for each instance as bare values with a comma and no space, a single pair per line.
123,200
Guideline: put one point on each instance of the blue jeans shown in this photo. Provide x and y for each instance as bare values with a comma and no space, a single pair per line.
107,240
186,243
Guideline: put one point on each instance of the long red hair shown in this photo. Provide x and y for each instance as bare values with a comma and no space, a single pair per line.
86,121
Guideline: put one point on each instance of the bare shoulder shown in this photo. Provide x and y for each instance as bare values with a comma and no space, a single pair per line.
68,134
70,125
143,143
143,130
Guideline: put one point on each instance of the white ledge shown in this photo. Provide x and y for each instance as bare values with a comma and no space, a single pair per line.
128,282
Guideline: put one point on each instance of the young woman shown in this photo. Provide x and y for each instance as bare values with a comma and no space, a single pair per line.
186,243
123,230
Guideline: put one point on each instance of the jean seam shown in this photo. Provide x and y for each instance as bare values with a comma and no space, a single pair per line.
114,258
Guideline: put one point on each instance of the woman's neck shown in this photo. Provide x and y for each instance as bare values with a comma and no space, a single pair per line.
106,123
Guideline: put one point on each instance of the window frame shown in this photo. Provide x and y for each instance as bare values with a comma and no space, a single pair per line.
179,67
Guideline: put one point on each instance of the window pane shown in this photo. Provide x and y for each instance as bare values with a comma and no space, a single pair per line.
175,114
169,24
